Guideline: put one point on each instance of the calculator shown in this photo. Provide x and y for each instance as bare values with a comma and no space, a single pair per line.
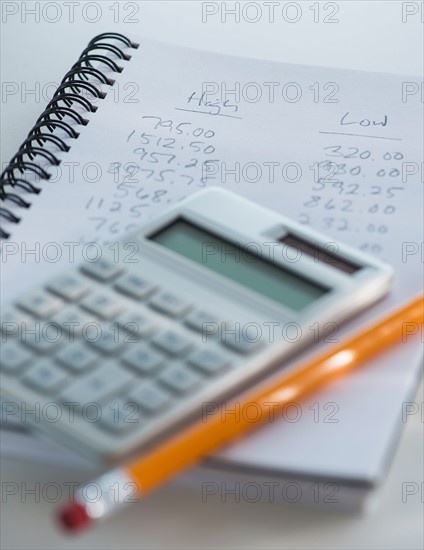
116,354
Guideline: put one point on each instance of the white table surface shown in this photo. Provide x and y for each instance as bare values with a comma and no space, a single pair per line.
369,36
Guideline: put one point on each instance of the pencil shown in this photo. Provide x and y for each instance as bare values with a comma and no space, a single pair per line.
142,475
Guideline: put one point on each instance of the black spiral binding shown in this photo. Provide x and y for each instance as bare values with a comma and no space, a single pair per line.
67,94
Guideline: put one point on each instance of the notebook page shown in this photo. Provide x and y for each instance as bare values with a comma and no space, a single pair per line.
338,150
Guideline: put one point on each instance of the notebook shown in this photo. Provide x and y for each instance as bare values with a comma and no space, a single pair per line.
137,125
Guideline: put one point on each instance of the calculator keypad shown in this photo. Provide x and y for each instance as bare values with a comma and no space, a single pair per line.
169,304
45,377
201,320
102,270
13,357
38,338
69,287
108,340
209,362
180,379
140,351
40,303
144,359
77,357
120,417
172,342
137,323
72,320
135,286
150,397
103,305
244,340
12,318
104,383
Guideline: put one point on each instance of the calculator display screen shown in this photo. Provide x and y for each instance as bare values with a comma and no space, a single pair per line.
239,263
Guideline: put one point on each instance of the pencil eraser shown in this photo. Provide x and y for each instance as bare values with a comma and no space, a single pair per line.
74,517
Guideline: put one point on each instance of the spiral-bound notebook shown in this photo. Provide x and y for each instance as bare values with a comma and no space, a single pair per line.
136,125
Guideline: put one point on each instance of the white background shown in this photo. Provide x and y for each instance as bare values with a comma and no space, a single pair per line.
369,36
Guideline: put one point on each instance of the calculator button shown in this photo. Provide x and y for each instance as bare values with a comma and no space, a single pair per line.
13,357
103,305
202,320
40,303
135,286
136,323
172,342
209,362
180,379
102,270
70,287
143,359
45,377
43,337
241,340
77,357
168,303
119,416
150,397
100,385
108,339
73,321
12,318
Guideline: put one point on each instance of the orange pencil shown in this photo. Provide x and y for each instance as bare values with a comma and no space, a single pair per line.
193,443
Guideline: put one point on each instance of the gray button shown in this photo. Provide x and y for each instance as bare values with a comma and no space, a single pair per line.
150,397
180,379
40,303
13,357
43,336
110,339
73,321
135,286
103,270
45,377
172,342
136,323
240,338
142,358
70,287
119,416
203,321
102,384
209,361
168,303
103,305
12,318
77,357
